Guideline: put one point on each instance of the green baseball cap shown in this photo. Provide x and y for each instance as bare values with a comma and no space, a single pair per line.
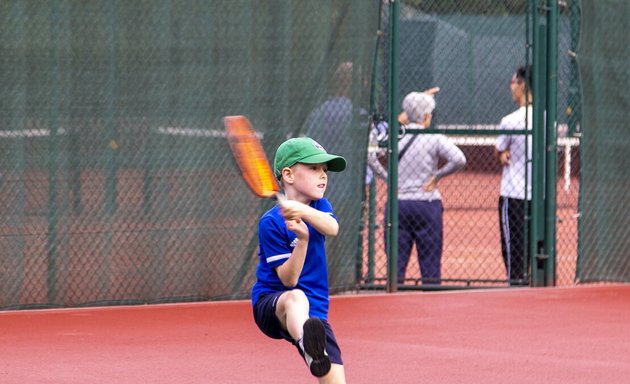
305,150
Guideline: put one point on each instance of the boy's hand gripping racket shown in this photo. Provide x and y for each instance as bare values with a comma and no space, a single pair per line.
250,157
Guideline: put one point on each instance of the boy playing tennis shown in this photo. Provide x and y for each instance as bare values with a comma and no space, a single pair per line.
290,297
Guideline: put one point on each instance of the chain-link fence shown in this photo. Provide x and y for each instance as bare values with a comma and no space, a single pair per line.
117,181
475,230
117,184
605,77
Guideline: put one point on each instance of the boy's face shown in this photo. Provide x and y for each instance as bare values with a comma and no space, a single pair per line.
308,180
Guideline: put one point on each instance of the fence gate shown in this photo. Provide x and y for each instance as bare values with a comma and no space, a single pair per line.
470,51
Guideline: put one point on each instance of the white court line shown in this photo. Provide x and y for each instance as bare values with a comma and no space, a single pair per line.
14,133
190,132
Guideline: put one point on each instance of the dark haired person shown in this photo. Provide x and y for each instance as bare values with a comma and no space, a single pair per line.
514,153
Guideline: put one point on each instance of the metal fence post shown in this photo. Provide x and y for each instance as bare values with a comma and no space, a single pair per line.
544,166
392,171
537,235
551,163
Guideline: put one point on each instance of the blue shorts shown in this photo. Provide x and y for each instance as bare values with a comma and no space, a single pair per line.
269,324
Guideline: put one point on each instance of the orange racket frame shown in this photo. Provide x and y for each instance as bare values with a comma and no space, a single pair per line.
250,157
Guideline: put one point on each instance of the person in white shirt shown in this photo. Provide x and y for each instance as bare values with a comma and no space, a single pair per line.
514,152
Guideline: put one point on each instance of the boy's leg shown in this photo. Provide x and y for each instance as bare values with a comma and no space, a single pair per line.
285,316
292,311
337,375
309,334
313,346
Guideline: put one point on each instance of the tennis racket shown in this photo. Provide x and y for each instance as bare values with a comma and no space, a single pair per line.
250,157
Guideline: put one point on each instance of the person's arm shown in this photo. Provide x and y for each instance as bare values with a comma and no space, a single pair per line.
503,156
378,133
432,91
375,164
502,146
455,160
296,216
322,222
289,272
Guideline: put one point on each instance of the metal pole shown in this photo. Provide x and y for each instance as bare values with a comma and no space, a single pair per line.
54,120
392,168
536,235
551,148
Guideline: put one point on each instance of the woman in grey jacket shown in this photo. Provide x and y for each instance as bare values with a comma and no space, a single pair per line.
420,206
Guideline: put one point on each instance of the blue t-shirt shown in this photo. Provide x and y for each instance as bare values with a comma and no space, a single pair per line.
276,244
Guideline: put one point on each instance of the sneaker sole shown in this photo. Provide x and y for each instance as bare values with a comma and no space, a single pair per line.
315,346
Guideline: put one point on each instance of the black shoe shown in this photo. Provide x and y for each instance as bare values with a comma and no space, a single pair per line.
314,347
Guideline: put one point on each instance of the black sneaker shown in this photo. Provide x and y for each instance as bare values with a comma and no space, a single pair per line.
313,345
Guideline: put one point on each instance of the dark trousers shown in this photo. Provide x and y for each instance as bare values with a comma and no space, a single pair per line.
420,222
512,222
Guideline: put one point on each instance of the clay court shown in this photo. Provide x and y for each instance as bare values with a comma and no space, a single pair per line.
547,335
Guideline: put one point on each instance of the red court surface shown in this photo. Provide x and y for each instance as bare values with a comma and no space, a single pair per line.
544,335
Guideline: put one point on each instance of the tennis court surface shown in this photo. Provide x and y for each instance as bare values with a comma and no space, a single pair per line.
544,335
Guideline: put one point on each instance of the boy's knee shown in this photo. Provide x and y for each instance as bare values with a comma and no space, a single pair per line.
295,296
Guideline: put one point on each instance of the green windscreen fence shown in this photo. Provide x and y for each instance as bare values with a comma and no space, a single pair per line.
603,57
118,185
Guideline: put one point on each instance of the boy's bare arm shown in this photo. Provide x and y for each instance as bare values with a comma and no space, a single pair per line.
321,221
289,272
